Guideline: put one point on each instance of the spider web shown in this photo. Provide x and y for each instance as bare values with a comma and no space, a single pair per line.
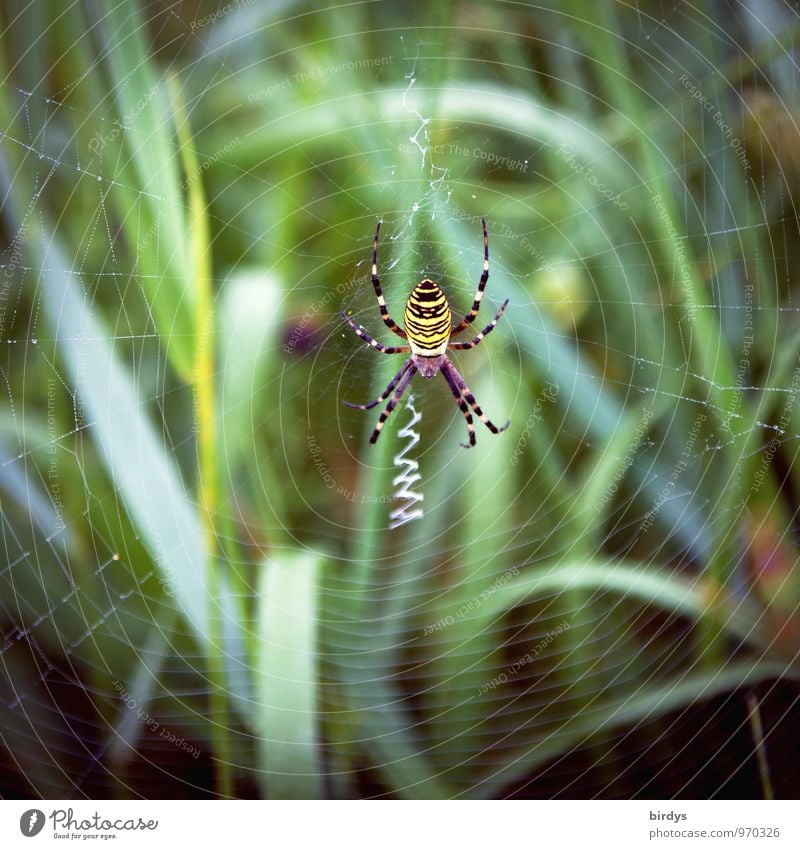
83,601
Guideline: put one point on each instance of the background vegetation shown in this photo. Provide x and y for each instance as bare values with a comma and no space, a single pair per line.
200,590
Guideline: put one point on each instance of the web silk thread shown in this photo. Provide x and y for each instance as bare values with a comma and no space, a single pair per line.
410,475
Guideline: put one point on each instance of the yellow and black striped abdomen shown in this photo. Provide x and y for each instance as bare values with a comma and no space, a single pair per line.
427,320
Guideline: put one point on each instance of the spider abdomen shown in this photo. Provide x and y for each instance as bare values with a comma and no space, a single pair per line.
427,320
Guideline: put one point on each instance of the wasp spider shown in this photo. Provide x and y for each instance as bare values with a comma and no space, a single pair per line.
428,330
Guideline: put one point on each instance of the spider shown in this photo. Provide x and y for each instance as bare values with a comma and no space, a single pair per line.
428,330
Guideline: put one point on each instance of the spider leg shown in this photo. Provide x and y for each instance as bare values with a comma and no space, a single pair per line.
462,405
360,332
476,304
465,346
448,367
376,283
393,403
387,392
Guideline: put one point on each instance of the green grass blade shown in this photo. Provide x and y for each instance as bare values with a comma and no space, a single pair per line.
639,708
673,593
135,458
287,677
144,110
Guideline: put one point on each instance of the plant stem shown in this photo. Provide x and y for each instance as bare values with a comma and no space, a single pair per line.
203,394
